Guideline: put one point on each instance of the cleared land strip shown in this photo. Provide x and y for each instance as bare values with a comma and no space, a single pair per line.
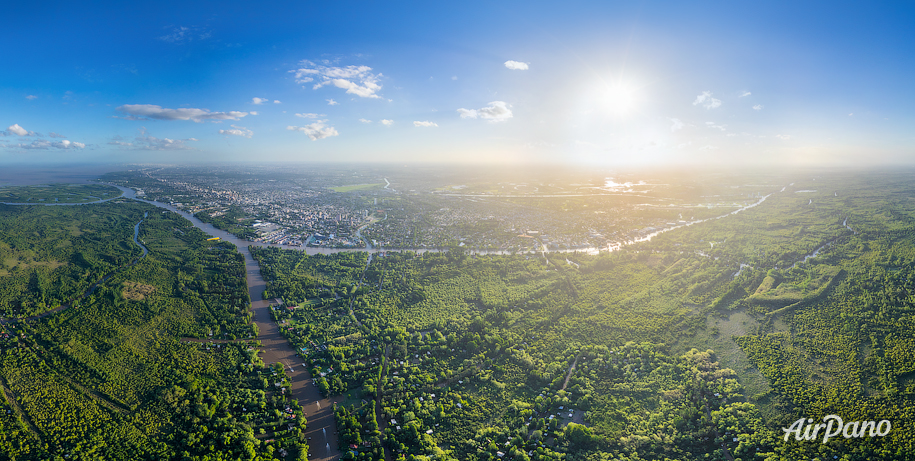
219,341
569,375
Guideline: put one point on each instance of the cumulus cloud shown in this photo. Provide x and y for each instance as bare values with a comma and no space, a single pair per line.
309,115
387,122
55,135
713,125
424,124
18,130
707,100
331,102
31,97
357,80
253,112
259,100
783,137
496,111
152,111
317,130
677,124
744,94
758,107
516,65
67,144
238,131
365,120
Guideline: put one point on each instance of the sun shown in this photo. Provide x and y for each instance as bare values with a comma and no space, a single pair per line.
619,99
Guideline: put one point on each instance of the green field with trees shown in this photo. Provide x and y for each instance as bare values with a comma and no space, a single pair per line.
58,193
700,344
116,373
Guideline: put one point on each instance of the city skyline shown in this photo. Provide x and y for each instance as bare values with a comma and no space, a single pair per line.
587,83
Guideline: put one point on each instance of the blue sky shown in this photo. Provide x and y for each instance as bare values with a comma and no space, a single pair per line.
496,82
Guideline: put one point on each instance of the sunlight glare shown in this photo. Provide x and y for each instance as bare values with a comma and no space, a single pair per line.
619,99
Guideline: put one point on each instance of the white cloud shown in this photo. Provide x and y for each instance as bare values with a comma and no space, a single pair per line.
315,131
55,135
744,94
387,122
146,142
35,145
259,100
276,101
677,124
143,141
758,107
468,113
425,124
331,102
783,137
357,80
45,145
516,65
707,100
454,77
712,125
364,120
309,115
31,97
496,111
253,112
182,34
238,131
152,111
67,144
18,130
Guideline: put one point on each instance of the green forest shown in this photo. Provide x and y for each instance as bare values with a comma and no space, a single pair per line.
130,368
703,343
58,193
699,344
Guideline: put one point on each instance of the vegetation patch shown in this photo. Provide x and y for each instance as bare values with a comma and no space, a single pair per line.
136,291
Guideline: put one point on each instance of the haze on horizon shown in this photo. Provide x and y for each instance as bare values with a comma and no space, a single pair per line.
587,83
